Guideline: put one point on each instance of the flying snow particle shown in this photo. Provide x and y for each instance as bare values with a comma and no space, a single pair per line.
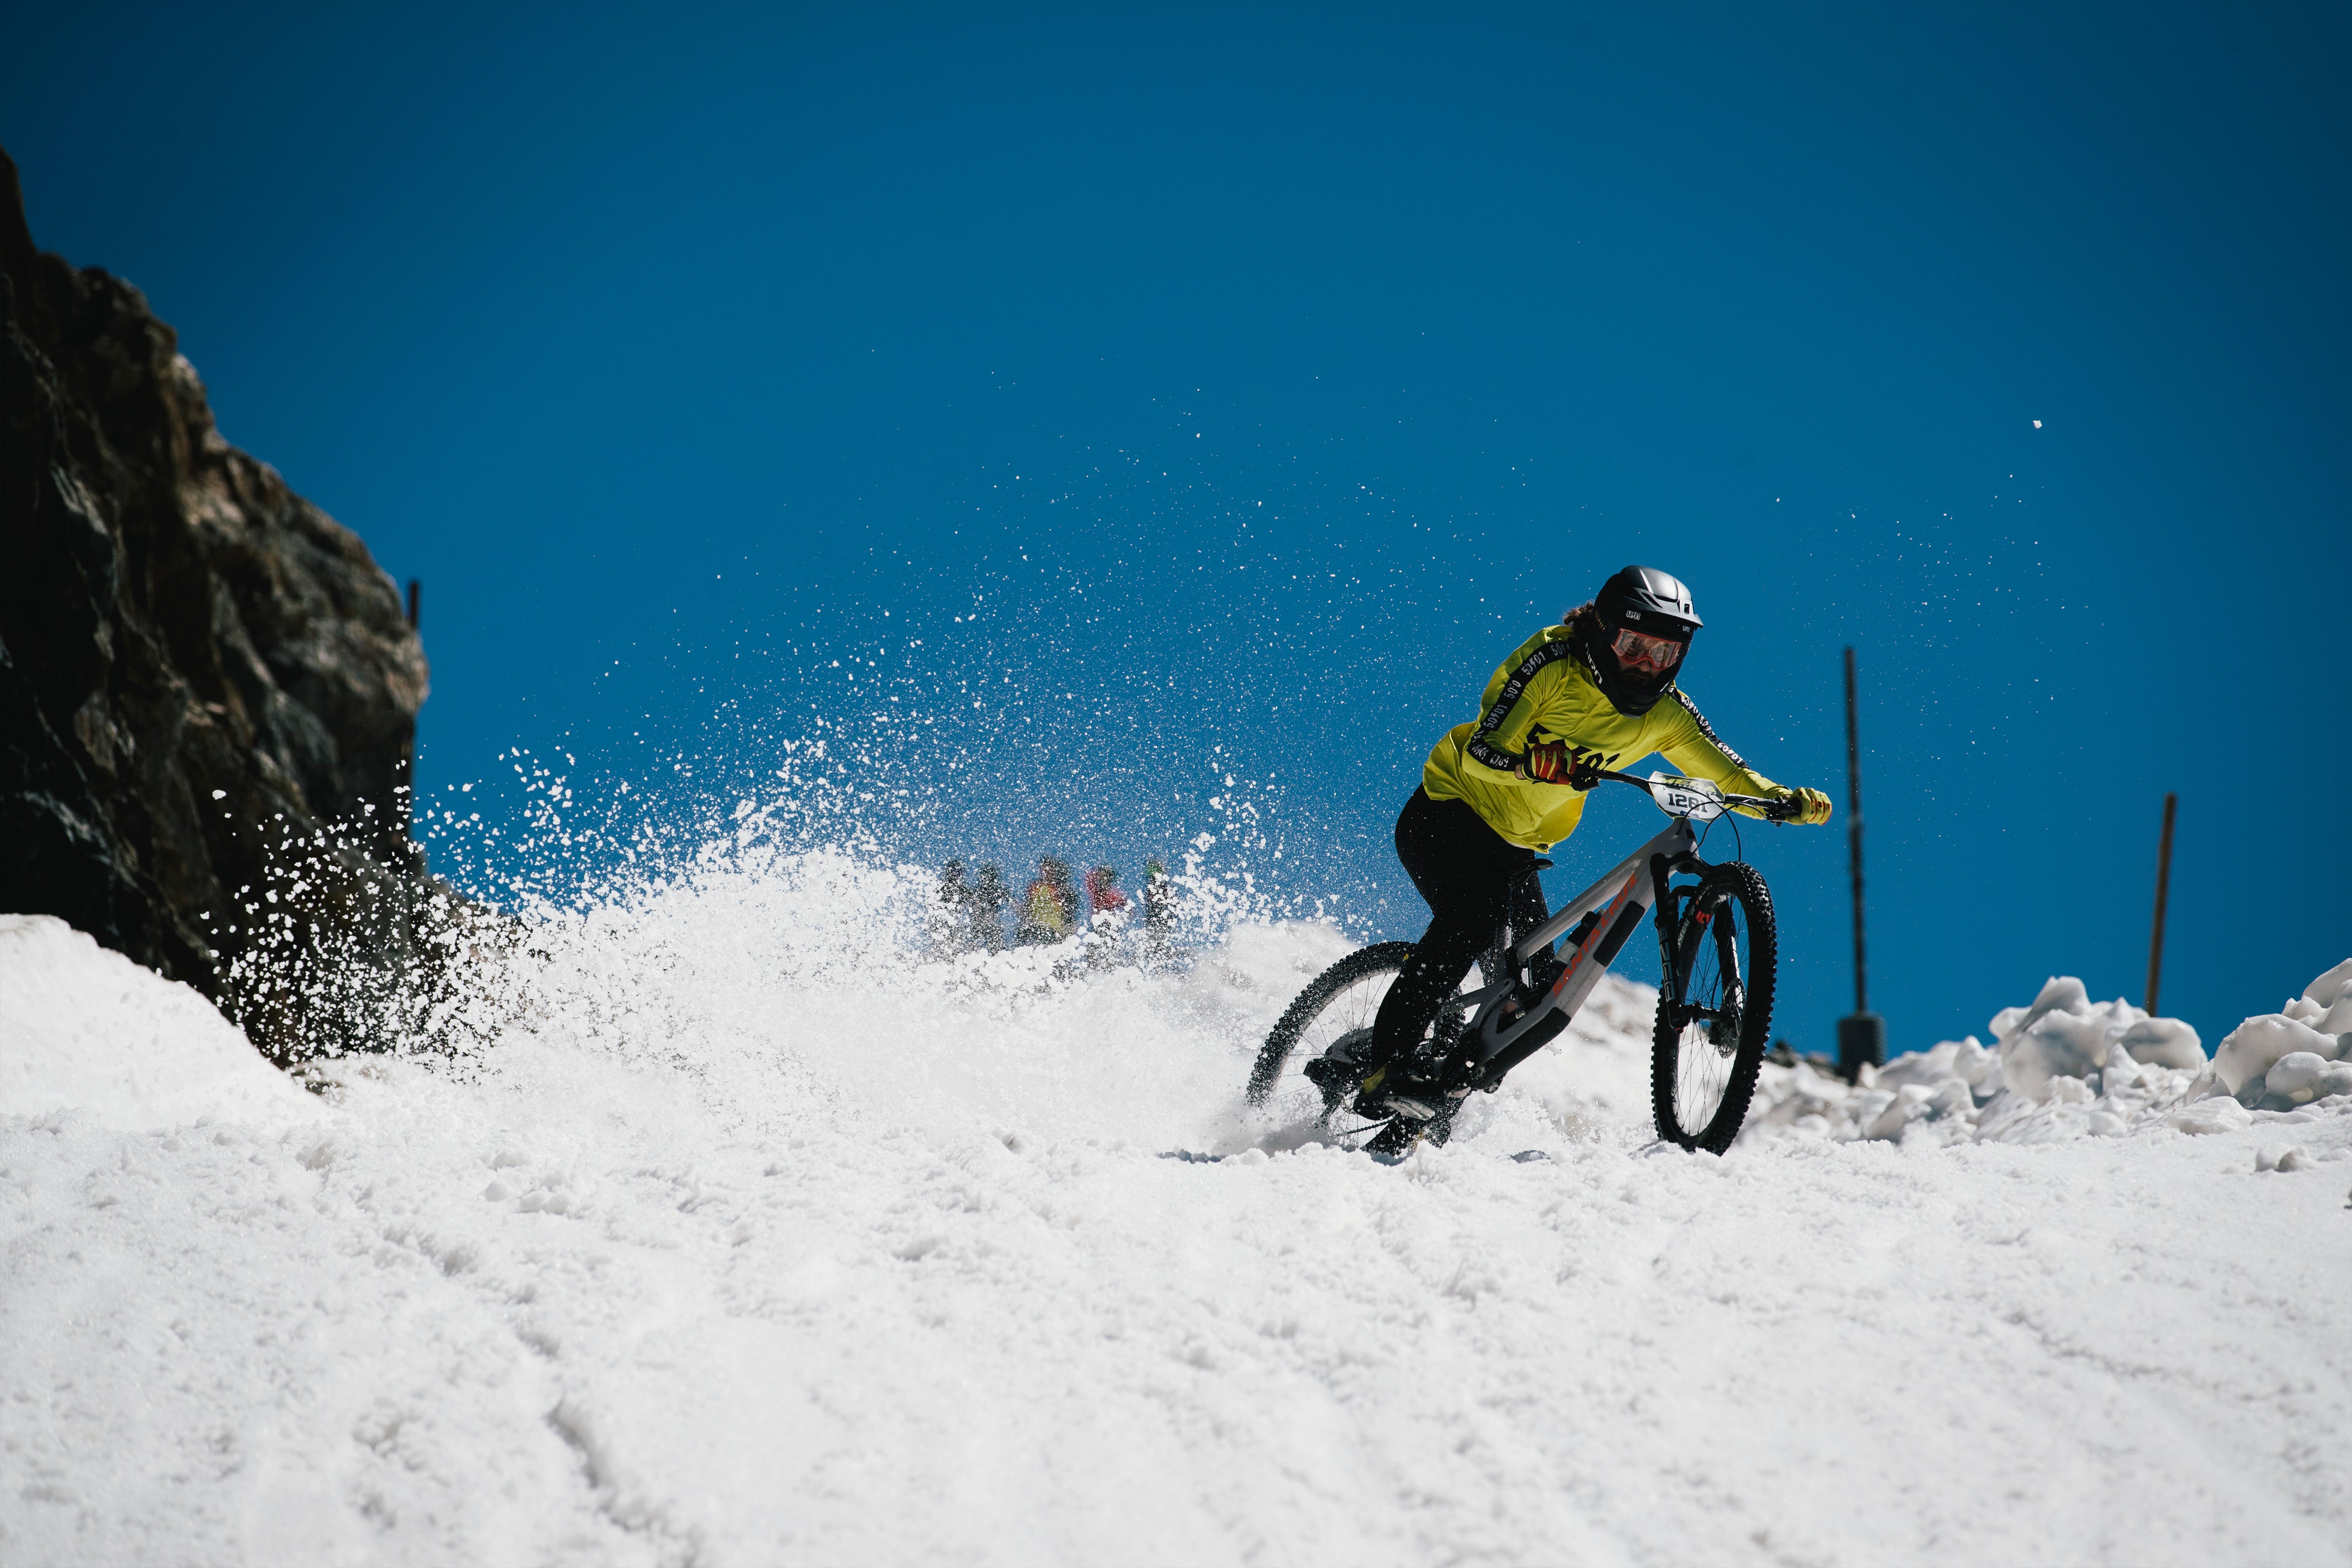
2037,424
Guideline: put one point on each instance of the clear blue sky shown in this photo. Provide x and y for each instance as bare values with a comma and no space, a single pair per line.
1263,375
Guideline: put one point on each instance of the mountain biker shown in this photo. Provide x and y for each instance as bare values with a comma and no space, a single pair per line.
1598,690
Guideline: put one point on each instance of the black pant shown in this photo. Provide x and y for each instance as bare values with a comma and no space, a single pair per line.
1474,882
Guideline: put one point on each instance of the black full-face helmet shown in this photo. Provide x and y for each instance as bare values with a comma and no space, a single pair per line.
1636,636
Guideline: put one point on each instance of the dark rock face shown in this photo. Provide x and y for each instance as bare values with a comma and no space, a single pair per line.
198,668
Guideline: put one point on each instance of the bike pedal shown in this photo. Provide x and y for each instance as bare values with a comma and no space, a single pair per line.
1329,1075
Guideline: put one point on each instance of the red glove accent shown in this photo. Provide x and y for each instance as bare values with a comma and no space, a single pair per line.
1550,763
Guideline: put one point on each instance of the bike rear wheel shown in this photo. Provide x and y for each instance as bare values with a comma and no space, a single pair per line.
1337,1008
1715,1010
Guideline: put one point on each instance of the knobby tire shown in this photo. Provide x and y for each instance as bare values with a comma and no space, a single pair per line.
1383,957
1738,881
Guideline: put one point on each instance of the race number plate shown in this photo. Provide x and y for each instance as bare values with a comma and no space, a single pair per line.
1697,799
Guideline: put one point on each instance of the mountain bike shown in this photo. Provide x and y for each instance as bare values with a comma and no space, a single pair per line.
1717,950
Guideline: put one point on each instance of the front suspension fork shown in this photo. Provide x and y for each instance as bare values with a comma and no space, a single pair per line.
1673,969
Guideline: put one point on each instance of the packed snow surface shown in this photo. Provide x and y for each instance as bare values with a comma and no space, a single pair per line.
91,1031
753,1237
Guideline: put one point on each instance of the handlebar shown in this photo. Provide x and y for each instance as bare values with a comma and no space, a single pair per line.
1769,810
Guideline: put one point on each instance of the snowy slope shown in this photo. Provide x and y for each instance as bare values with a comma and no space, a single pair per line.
737,1248
90,1030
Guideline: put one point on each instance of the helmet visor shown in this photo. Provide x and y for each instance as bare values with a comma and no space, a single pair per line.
1650,656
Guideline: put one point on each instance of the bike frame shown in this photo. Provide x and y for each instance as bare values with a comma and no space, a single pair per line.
1623,895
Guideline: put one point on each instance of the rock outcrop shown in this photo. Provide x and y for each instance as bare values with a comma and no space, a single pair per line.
200,671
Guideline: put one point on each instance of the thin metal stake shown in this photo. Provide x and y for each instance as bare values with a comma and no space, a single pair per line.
1862,1038
1854,836
2163,882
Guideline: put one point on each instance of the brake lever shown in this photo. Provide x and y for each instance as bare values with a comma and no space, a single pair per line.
1774,811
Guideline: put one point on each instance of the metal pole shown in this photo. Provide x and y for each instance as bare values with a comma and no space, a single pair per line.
416,592
1854,836
1862,1038
2163,882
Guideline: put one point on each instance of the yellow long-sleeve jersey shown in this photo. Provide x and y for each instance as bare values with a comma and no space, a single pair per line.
1544,692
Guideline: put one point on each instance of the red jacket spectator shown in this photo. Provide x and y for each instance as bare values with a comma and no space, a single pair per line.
1102,890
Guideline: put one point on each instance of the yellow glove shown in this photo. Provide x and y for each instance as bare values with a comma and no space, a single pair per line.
1813,806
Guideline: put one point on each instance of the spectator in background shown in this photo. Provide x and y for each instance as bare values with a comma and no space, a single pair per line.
983,904
1159,908
1051,909
1103,896
948,925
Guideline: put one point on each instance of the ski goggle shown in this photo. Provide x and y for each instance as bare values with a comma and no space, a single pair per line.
1654,656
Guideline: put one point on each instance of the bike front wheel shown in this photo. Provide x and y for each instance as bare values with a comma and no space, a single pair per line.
1715,1009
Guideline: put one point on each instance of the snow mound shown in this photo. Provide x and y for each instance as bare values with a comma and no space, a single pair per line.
84,1029
2301,1053
2064,1066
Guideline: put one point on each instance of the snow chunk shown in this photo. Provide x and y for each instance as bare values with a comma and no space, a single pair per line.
2065,1068
2164,1042
2254,1047
2065,1035
2304,1076
84,1029
2330,988
2337,1020
2212,1116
